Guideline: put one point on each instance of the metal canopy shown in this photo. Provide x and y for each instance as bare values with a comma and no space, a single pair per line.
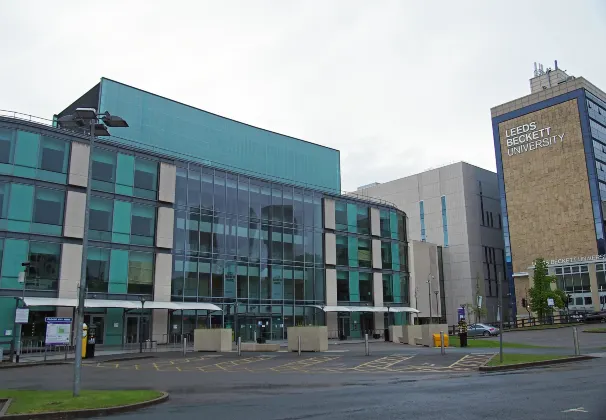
366,308
125,304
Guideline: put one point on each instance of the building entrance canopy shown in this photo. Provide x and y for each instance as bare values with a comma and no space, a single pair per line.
366,309
125,304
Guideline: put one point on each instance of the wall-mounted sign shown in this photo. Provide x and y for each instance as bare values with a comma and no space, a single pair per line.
528,137
573,260
21,316
58,330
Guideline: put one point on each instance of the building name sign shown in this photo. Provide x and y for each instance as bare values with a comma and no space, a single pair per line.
577,259
527,137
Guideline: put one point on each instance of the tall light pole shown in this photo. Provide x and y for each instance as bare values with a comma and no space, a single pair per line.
437,301
86,118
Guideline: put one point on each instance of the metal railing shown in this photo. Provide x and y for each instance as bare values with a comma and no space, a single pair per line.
527,322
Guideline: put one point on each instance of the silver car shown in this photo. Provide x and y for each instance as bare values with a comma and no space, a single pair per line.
475,330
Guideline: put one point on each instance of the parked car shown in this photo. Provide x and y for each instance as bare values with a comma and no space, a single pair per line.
481,329
599,316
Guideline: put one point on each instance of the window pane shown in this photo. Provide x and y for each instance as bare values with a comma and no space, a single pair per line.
207,189
48,207
243,197
140,272
146,174
143,224
219,191
287,203
6,137
231,194
43,273
340,215
386,255
242,281
364,253
276,203
100,218
53,155
365,287
342,258
97,270
181,187
204,278
205,234
342,286
217,278
193,189
104,165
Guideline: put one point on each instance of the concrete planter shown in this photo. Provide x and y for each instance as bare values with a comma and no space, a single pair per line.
216,339
312,338
410,333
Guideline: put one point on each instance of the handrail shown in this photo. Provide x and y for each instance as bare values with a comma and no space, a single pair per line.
45,121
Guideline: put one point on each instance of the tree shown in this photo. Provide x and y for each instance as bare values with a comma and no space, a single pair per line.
541,291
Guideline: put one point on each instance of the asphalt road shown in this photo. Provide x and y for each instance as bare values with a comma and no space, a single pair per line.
548,393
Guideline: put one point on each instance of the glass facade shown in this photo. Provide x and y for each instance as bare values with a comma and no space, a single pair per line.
160,125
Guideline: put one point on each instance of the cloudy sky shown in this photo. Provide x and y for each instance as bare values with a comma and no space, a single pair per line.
397,86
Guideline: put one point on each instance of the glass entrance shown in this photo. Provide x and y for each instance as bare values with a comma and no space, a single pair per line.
137,328
252,327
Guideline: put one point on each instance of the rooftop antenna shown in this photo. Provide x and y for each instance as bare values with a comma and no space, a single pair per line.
556,64
536,71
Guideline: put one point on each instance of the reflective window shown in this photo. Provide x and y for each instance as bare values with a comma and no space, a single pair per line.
342,286
384,223
43,272
363,219
365,287
342,258
53,155
340,215
143,224
6,145
140,273
364,253
104,169
146,178
386,255
100,218
97,270
48,207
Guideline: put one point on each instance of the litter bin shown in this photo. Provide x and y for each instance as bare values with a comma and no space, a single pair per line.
436,340
386,334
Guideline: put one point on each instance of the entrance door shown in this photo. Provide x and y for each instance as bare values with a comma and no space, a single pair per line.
137,328
344,328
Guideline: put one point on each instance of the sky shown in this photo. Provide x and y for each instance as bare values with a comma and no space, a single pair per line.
397,86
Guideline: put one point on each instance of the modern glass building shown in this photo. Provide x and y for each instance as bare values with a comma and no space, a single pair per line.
550,149
196,221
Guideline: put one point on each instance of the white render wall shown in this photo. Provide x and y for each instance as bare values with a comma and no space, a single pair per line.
463,258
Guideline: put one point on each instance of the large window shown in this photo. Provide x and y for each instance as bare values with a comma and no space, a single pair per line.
364,253
6,145
53,155
97,270
387,288
384,223
342,286
43,273
365,287
363,219
386,259
340,215
143,225
140,273
48,210
342,258
145,178
573,279
104,170
100,218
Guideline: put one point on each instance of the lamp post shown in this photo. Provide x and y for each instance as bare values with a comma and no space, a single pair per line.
17,327
96,124
140,323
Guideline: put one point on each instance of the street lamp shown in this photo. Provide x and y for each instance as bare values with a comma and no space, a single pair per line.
96,124
139,329
17,327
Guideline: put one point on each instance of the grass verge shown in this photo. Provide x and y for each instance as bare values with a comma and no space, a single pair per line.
512,359
484,343
28,402
596,330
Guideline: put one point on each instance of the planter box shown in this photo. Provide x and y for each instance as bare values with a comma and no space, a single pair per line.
259,347
216,339
312,338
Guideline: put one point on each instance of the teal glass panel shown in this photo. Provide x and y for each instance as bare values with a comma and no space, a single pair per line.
100,221
141,273
114,328
26,154
7,148
276,282
355,326
143,225
48,211
341,215
365,287
104,170
97,270
4,194
125,174
319,284
118,271
53,160
122,222
393,217
395,255
230,279
397,288
352,251
146,178
15,252
20,208
7,317
354,286
352,218
160,125
43,273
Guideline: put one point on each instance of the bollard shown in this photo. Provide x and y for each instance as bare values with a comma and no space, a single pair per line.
575,337
66,351
184,346
442,343
299,345
366,348
255,336
45,353
239,346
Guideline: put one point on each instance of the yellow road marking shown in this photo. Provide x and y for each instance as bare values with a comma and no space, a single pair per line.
179,369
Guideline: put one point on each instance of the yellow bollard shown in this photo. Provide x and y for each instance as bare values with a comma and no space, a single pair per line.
84,339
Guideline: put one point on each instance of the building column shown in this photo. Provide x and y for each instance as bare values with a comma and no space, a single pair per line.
329,214
331,300
162,291
375,222
593,284
377,296
69,274
168,180
78,164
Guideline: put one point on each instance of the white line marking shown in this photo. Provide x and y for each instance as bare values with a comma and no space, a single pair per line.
578,410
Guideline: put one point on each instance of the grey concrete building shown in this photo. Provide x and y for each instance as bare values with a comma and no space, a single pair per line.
457,207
